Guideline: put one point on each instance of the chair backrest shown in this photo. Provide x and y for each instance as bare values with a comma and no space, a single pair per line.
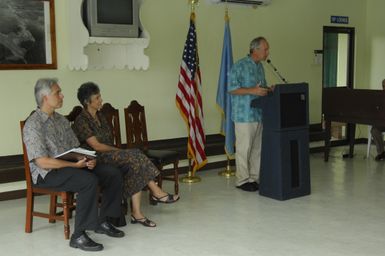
27,170
136,129
112,116
73,114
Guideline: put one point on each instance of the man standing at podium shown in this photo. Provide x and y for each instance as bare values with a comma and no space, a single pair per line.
246,83
378,139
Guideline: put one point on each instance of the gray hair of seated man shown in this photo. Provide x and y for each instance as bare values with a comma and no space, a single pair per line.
43,87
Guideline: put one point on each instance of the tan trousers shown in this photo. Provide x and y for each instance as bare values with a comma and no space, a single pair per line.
378,138
248,152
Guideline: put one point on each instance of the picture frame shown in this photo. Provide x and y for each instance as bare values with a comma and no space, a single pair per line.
27,34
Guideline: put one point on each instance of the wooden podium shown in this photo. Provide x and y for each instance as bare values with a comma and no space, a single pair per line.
285,168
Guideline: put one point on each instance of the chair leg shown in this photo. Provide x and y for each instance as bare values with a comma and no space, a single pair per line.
66,213
29,210
52,209
152,202
369,141
176,178
71,201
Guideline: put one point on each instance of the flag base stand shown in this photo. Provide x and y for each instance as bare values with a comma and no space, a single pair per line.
227,172
190,179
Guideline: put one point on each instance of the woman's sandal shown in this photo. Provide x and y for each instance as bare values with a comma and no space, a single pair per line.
167,199
144,221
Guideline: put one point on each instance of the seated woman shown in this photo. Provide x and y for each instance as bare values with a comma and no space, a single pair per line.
94,133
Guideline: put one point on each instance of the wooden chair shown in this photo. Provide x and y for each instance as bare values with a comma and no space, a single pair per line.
71,118
136,132
112,116
74,113
53,215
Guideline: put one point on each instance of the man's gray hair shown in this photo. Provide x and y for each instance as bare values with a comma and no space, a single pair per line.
43,87
256,43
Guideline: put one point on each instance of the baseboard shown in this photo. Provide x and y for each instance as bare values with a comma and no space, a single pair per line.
16,194
10,195
12,167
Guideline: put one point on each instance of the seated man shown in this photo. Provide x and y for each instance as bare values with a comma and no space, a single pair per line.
378,138
47,134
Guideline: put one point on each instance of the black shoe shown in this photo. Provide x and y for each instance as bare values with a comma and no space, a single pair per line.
380,157
247,187
255,185
85,243
109,230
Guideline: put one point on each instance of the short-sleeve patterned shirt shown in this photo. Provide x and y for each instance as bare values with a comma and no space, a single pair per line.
245,73
85,126
46,136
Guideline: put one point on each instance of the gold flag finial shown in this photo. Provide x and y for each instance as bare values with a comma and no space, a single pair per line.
227,18
193,3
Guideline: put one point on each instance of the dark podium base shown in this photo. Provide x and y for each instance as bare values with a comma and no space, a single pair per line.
285,169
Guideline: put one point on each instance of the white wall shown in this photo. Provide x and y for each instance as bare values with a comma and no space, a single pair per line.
293,28
375,43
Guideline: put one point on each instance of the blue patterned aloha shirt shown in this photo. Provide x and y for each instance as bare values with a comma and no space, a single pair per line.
245,73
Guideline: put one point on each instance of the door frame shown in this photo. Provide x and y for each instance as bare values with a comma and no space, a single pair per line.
351,32
350,66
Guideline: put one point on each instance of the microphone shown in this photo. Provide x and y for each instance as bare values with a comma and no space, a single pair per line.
276,71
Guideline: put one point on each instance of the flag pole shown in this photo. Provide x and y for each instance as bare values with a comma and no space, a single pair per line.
226,12
193,3
191,177
228,172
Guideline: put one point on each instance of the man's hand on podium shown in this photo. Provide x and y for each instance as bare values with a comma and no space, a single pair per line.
260,91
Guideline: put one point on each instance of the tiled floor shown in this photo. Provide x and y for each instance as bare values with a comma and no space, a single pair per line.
344,215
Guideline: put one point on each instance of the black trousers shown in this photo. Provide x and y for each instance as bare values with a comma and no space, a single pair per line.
85,183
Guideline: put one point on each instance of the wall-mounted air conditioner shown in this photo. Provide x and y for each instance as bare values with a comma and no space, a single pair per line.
242,2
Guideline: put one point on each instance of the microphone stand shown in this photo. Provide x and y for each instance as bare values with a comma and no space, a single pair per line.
276,71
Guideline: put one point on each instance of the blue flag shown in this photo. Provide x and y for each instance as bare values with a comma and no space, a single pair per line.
223,98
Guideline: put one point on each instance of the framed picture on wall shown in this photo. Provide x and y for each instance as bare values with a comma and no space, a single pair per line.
27,34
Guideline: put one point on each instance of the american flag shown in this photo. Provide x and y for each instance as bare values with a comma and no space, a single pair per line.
189,99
